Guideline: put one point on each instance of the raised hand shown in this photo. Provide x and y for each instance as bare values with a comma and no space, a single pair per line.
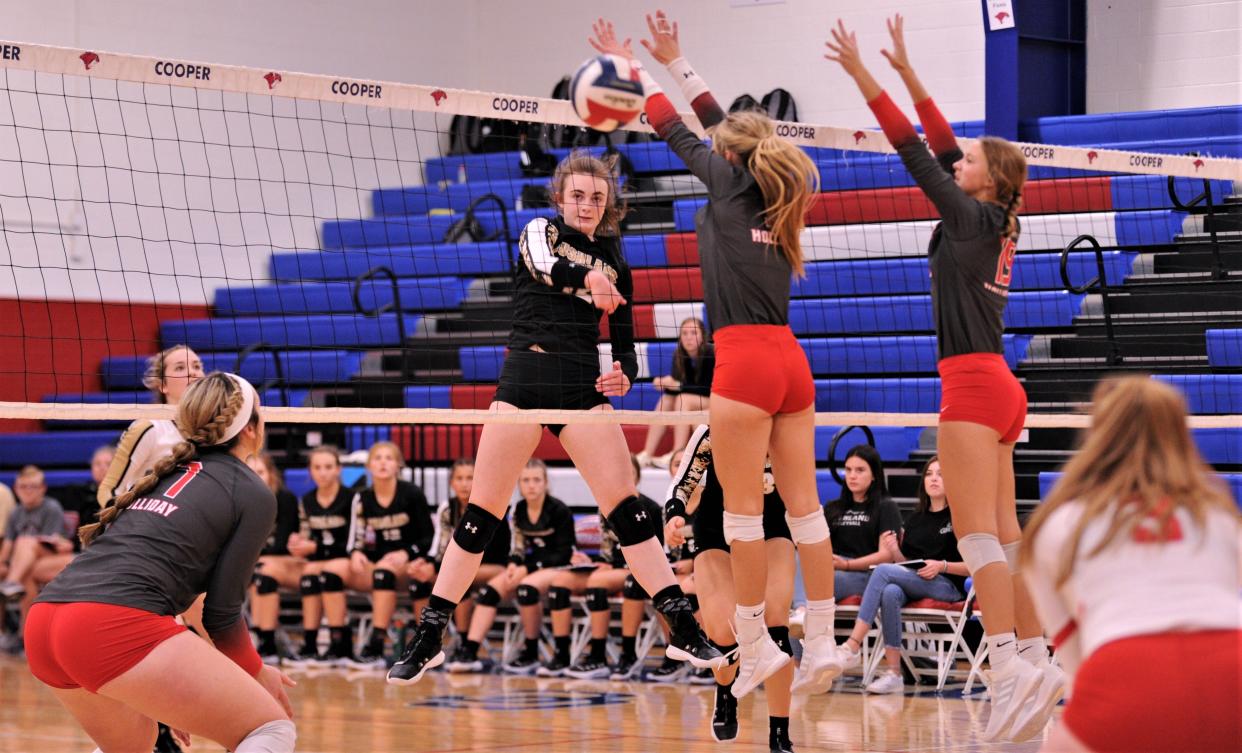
844,47
897,58
664,45
605,40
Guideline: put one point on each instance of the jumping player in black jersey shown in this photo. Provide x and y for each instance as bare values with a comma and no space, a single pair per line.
763,396
713,578
977,192
392,528
102,634
325,521
571,273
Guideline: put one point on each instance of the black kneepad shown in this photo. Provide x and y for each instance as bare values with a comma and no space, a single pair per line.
597,600
475,530
420,590
632,589
331,582
558,598
383,580
265,584
527,596
781,636
310,585
694,602
632,523
487,597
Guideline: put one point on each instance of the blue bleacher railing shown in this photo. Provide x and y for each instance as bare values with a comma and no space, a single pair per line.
1218,267
832,449
504,225
394,305
1100,283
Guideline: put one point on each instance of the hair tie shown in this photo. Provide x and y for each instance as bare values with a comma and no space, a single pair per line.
249,399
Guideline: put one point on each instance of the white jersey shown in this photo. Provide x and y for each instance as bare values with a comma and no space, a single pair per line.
1148,582
139,449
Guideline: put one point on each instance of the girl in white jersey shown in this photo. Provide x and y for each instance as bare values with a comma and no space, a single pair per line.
1133,566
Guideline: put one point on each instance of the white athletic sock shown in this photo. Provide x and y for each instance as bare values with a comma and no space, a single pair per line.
749,623
1033,650
1002,649
820,616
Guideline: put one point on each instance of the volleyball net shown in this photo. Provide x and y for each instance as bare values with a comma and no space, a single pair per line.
350,247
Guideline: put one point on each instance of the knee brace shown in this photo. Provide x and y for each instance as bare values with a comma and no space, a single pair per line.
310,585
558,598
279,736
742,527
1011,554
419,590
633,590
265,584
694,602
527,596
331,582
808,529
383,580
487,597
475,530
979,550
597,600
632,524
780,634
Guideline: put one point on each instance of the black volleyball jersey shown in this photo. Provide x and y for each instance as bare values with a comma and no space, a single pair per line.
552,306
404,524
286,523
545,542
970,256
200,530
331,527
699,472
448,515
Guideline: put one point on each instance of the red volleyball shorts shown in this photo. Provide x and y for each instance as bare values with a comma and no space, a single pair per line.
979,388
87,645
763,365
1163,692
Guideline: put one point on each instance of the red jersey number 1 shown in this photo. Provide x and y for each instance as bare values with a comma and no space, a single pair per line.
1004,263
191,470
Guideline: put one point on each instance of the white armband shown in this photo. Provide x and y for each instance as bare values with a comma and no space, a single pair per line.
692,85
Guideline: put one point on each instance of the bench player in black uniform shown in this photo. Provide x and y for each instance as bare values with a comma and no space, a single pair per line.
277,568
325,521
977,192
103,633
571,273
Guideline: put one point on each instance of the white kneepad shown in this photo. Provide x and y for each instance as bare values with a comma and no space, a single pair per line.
279,736
809,529
742,527
979,550
1011,554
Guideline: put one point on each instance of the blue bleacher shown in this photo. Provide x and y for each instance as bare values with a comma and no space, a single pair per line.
894,443
1220,446
1039,309
52,449
1152,191
298,480
1145,125
54,477
301,367
1208,394
427,260
1048,479
886,395
313,331
1224,347
424,294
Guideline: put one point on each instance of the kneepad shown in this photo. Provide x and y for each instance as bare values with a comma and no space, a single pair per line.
780,634
694,602
331,582
632,524
1011,555
420,590
279,736
633,590
558,598
475,530
383,580
265,584
979,550
808,529
487,597
743,527
310,585
597,600
527,596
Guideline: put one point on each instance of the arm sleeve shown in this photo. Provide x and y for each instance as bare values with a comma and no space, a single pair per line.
560,549
226,588
1054,610
961,214
690,474
444,531
357,527
517,545
702,381
543,263
421,529
127,463
715,171
939,133
696,92
621,326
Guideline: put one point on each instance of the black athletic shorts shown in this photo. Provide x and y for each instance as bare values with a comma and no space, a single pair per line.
547,381
709,517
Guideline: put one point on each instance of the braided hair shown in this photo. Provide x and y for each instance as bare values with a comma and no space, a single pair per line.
1007,168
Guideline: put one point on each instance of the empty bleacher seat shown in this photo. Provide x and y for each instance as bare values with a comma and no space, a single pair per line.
1208,393
424,294
53,449
426,260
1224,347
1048,479
314,330
330,367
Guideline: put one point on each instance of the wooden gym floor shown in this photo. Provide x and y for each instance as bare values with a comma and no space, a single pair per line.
357,712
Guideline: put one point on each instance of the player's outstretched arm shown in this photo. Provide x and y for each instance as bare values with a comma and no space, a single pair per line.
939,133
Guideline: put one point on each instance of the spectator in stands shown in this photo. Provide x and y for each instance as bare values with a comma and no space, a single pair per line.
1132,562
276,567
322,539
542,528
860,520
392,529
926,566
686,389
35,530
448,515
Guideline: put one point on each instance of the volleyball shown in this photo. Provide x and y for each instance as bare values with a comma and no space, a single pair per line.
606,92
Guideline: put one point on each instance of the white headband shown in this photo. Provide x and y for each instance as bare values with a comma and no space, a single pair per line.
249,398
